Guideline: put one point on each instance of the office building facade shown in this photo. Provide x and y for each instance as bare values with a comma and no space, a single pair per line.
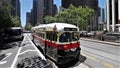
28,17
54,10
15,11
35,8
113,15
76,3
42,8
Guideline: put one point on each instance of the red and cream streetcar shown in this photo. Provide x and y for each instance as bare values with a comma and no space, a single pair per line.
59,41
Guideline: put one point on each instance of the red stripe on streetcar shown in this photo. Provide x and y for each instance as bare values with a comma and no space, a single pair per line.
54,45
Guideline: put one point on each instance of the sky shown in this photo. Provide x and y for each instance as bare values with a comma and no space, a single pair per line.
26,6
102,3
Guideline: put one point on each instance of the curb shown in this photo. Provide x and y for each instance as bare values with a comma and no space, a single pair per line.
99,41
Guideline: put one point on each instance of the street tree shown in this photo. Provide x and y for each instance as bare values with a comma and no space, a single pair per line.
49,19
15,21
75,15
6,19
28,26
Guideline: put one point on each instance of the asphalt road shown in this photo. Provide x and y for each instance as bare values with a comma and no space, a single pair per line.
100,55
10,55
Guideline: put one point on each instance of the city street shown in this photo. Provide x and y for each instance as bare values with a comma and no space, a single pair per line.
100,55
46,33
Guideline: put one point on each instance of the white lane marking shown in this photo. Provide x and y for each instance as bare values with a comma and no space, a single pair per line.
40,54
82,66
3,62
8,54
26,51
16,57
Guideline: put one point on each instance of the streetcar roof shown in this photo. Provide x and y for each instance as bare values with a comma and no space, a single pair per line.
39,26
59,26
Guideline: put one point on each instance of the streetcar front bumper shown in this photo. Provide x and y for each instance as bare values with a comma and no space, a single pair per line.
69,57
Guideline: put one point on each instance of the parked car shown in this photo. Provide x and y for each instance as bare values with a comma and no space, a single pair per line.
83,33
111,36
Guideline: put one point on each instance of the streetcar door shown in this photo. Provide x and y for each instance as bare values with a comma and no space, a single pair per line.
54,42
48,43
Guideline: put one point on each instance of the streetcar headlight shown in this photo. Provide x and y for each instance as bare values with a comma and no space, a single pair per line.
73,49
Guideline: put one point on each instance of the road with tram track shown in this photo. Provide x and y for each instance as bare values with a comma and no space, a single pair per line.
98,55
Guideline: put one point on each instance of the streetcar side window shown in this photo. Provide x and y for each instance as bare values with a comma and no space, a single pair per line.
42,35
52,37
48,36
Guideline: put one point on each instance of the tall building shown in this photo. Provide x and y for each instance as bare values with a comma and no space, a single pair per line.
28,17
40,11
113,15
103,15
35,3
93,23
43,8
15,11
48,4
66,3
54,10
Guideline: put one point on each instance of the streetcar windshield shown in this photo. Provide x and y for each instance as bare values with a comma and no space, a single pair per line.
69,37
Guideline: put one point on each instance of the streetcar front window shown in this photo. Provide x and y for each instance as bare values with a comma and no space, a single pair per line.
68,37
65,37
74,37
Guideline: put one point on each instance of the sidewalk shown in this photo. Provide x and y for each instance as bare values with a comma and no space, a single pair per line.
99,41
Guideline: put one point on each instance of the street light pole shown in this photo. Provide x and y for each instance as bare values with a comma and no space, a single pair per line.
108,14
113,15
119,14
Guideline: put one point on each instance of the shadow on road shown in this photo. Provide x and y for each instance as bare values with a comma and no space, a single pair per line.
5,46
74,62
